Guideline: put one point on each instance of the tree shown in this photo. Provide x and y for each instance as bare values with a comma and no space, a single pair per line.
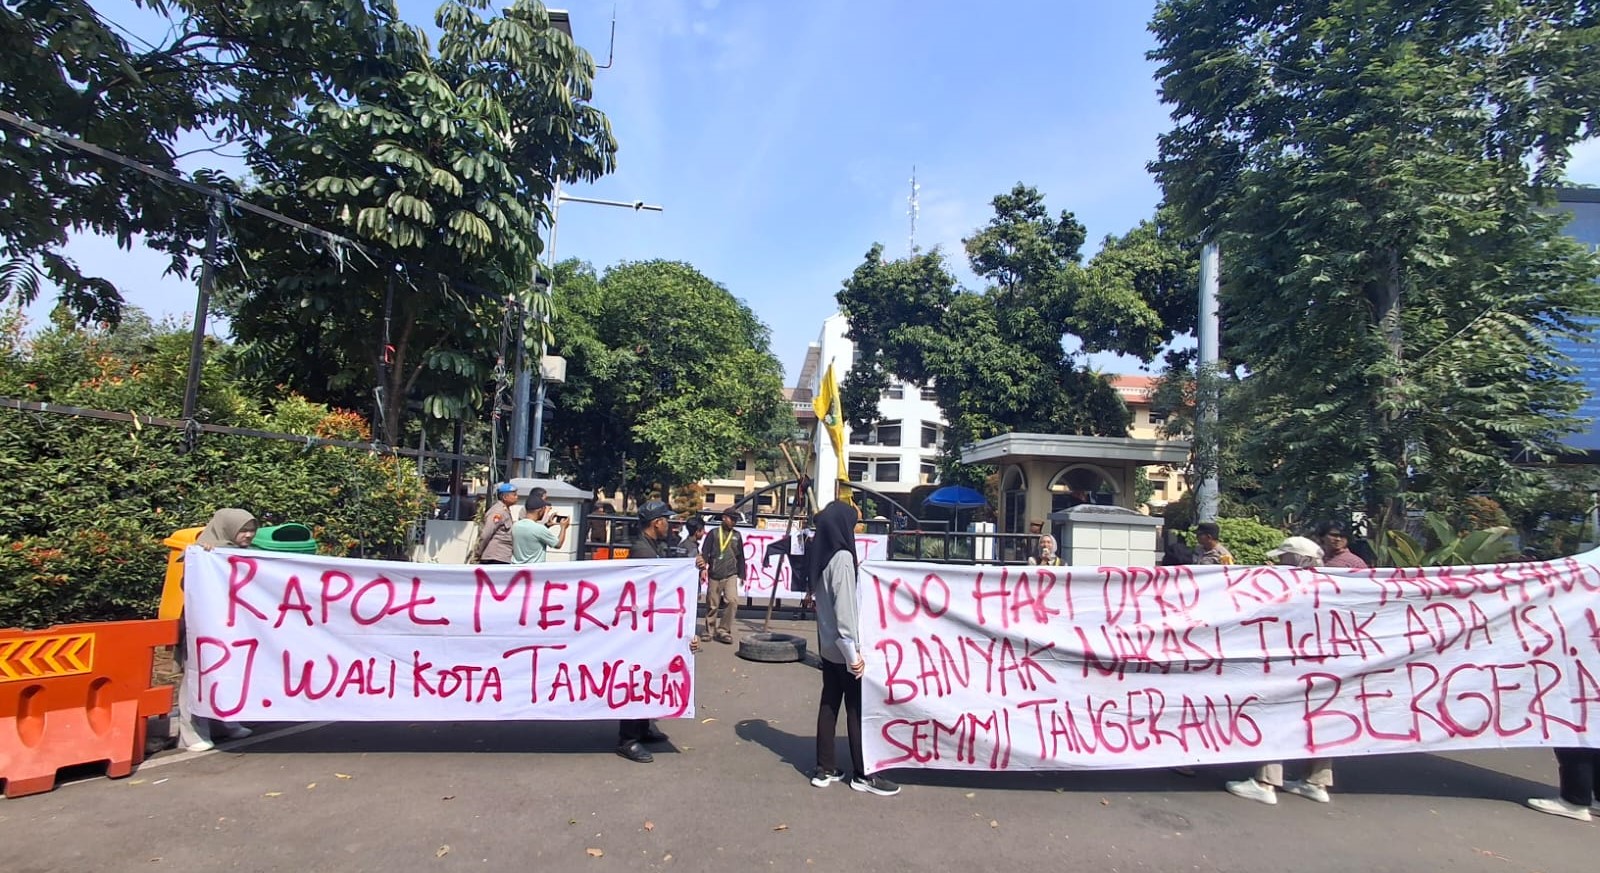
670,377
443,166
998,359
228,69
1392,291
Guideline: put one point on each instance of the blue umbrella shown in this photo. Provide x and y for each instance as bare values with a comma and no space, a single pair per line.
956,497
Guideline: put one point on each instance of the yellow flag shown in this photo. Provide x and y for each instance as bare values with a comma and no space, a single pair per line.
830,411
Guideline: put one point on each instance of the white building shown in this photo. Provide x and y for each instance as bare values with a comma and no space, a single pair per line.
902,450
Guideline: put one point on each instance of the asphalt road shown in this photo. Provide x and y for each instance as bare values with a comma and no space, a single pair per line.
730,794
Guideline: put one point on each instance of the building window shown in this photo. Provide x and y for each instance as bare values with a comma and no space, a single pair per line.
889,433
930,436
930,474
858,437
858,471
888,471
1157,418
930,394
742,464
894,392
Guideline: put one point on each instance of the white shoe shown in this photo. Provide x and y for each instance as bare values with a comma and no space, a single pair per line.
201,746
1306,790
1250,789
236,731
1557,806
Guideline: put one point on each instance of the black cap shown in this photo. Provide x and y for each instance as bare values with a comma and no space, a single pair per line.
651,510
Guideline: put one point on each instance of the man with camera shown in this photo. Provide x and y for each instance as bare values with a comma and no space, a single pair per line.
532,537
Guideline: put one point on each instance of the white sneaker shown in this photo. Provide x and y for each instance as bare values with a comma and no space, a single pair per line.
1250,789
236,731
1306,790
202,746
1557,806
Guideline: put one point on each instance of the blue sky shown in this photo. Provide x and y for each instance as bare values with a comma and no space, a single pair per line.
780,136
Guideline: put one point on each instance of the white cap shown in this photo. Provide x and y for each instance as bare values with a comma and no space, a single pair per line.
1301,546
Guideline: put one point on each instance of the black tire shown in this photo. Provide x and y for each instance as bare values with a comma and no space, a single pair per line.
772,648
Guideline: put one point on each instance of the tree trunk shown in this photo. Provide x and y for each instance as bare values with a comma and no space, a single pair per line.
399,383
1387,504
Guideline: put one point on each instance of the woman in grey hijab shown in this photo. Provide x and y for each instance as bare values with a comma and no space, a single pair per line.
230,529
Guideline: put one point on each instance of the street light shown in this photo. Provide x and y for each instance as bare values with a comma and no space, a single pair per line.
530,456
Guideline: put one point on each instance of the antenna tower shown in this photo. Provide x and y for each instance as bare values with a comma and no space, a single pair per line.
913,208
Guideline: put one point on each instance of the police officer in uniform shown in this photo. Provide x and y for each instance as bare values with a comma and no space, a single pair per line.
634,733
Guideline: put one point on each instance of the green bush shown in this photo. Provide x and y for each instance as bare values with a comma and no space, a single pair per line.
88,502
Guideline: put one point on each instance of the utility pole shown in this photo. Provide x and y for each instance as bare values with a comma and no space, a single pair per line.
1207,496
197,345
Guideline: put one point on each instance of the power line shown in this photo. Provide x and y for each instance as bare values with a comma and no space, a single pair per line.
129,33
60,138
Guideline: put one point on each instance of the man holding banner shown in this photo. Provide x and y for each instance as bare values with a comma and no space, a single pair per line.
1292,552
634,733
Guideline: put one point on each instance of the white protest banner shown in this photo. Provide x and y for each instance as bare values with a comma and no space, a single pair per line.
1033,668
308,638
760,579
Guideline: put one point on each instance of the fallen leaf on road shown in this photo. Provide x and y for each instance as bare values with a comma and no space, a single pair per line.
1061,791
442,851
311,786
667,857
158,782
1104,802
137,782
782,827
993,823
572,821
273,794
341,775
448,797
707,720
649,825
594,853
972,794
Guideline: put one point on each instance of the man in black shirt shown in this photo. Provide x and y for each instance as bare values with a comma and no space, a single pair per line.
633,733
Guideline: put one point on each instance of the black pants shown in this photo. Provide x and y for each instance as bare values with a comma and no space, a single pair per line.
632,730
1579,769
838,684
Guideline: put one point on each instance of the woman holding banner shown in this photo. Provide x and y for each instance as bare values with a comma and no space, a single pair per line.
1293,552
233,529
833,573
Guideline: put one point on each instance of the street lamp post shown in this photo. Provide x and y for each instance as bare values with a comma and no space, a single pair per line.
530,456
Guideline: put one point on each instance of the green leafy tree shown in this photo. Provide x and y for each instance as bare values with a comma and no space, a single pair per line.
230,70
1374,172
998,359
443,165
670,377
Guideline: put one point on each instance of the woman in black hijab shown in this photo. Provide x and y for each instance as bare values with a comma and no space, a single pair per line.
832,560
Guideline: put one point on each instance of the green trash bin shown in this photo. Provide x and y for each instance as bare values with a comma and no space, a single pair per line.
289,537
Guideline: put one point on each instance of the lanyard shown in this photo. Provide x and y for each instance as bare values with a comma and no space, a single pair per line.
726,540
